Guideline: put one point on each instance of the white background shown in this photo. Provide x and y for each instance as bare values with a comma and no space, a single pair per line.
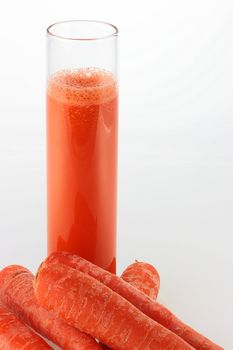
176,144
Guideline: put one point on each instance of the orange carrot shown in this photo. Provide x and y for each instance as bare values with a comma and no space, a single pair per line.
144,277
88,304
16,287
14,335
150,308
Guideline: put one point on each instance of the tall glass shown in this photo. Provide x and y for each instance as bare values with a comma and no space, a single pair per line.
82,118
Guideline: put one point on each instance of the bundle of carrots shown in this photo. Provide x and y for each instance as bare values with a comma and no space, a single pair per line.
79,306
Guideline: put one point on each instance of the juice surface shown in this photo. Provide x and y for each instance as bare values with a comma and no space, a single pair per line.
82,108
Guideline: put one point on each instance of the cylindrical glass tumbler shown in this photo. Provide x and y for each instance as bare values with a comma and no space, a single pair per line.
82,113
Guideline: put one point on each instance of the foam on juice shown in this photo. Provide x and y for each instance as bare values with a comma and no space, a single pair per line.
83,86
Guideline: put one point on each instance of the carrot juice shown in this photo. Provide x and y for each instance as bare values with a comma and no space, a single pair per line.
82,108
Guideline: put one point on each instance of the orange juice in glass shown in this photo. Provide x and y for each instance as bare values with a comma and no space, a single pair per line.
82,119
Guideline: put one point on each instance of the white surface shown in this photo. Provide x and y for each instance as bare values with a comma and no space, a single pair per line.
176,144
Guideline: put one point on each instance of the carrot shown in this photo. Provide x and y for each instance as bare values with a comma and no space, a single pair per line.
88,304
17,292
144,277
150,308
14,335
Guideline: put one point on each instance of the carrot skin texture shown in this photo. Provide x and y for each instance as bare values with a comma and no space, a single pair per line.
154,310
17,292
88,304
14,335
144,277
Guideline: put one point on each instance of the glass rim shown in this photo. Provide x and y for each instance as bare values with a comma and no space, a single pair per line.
50,33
